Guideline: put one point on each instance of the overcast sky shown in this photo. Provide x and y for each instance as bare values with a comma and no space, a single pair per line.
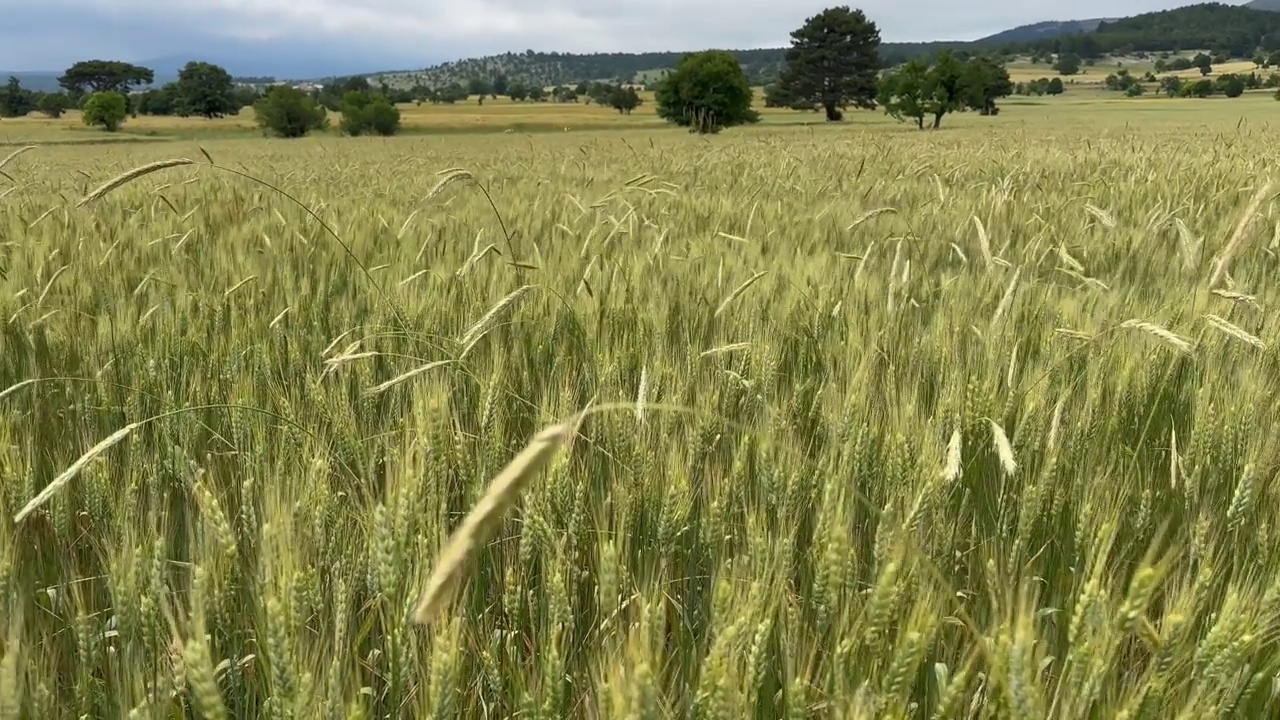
50,34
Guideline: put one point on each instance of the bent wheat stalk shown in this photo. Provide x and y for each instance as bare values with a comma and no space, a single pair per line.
479,524
53,487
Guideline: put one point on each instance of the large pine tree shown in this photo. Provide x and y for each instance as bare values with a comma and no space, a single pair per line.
833,62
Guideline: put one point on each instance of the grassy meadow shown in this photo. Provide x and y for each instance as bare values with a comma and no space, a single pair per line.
880,423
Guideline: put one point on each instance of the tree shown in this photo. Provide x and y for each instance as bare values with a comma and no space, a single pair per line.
706,92
288,112
106,110
1055,87
54,104
985,81
908,92
367,113
204,89
624,99
920,89
1203,62
16,101
1068,64
1231,85
104,76
833,62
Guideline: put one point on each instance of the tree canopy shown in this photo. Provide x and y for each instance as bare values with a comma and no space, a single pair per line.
708,91
921,89
834,62
205,89
104,76
288,112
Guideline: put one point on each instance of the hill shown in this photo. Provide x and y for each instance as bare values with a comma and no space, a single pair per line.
1045,30
1235,30
553,68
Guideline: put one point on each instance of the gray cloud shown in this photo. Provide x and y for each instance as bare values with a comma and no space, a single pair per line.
50,34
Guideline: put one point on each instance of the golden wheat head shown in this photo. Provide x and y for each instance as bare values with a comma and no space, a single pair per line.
131,175
484,517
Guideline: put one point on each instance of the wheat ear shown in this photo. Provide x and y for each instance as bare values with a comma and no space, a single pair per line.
13,155
479,524
130,176
57,484
1237,237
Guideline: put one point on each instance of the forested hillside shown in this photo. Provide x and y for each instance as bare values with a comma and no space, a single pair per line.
1231,29
1234,30
549,69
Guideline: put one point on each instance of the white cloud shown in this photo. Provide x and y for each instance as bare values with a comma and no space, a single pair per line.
443,29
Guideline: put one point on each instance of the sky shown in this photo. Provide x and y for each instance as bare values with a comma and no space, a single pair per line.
411,34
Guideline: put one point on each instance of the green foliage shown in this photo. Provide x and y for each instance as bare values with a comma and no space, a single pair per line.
1202,88
288,112
1055,87
97,76
106,110
920,89
1120,81
1067,64
833,62
53,105
15,100
204,89
1231,85
707,92
368,113
1234,31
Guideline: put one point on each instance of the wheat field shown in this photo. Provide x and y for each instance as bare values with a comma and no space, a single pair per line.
879,424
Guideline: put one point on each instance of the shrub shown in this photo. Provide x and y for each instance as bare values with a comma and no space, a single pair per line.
365,113
106,110
288,112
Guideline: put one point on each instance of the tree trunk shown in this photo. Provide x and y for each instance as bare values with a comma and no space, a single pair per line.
937,119
832,113
920,121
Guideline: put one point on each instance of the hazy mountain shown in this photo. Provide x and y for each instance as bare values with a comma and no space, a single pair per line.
1271,5
1050,29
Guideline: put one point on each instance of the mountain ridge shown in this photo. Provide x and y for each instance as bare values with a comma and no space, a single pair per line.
298,63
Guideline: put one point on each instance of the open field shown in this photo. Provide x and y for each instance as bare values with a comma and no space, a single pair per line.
888,423
1083,101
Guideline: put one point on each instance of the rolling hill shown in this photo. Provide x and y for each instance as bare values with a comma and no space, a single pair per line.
1045,30
1235,29
1231,28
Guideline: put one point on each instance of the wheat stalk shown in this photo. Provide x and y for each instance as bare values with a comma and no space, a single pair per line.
479,524
57,483
451,176
1235,331
130,176
1004,449
383,387
1237,238
14,155
739,290
1177,342
951,471
482,326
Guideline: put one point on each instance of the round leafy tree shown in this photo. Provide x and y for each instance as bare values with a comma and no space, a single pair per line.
707,92
106,110
369,113
288,112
